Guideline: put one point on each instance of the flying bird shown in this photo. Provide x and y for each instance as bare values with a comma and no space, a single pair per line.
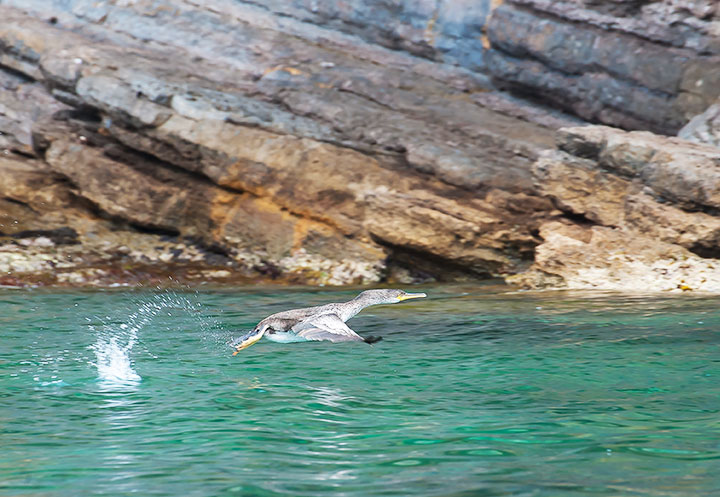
323,322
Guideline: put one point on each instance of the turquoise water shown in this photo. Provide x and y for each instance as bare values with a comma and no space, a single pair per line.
473,392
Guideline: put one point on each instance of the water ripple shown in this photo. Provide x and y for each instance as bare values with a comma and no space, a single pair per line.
471,393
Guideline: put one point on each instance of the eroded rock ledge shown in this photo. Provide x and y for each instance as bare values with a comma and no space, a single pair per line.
636,212
228,143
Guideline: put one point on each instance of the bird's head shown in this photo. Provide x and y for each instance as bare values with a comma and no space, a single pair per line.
372,297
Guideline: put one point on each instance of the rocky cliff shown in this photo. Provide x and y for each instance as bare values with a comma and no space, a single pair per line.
336,143
216,134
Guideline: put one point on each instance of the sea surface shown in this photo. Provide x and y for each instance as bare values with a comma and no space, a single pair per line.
474,391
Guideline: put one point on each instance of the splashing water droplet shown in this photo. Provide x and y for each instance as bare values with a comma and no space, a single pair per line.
113,363
115,342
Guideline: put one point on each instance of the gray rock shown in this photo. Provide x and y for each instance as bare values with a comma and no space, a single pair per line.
277,153
704,128
639,71
328,142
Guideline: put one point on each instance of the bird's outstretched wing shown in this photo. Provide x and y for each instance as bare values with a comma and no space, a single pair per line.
326,327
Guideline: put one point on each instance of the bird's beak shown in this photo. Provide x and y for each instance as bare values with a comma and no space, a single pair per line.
246,341
408,296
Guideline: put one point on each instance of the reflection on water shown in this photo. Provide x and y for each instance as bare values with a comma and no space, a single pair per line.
471,392
330,397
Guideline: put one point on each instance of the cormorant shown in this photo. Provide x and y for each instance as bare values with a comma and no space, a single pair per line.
324,322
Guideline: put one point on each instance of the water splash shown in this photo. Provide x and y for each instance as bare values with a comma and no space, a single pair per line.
116,338
113,362
112,353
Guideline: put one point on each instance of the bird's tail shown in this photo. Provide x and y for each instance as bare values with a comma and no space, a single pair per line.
372,339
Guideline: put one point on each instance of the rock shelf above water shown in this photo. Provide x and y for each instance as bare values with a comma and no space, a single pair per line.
304,158
209,140
639,213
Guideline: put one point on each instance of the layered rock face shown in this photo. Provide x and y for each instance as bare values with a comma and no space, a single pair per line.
443,31
636,212
357,142
634,64
216,133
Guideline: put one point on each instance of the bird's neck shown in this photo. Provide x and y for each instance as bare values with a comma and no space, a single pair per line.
356,305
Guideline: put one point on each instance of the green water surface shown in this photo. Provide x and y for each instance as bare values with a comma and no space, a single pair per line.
473,392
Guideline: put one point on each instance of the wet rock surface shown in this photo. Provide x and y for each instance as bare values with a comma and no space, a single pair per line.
636,212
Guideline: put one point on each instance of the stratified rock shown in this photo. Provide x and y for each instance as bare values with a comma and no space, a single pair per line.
307,156
447,31
641,213
632,64
146,193
33,197
22,102
336,143
675,170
